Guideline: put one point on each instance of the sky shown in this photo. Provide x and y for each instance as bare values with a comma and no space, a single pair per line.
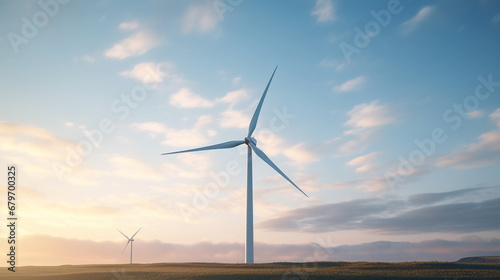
386,113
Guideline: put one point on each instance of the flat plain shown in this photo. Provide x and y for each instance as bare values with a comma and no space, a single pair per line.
296,271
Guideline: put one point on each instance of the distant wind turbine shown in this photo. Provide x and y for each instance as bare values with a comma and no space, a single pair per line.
252,145
131,241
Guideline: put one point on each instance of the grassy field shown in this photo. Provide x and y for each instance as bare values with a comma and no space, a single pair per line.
321,270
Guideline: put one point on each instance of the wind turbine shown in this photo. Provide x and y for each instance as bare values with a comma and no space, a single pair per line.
252,146
131,241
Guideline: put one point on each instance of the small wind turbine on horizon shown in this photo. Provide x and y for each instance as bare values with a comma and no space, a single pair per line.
131,241
252,146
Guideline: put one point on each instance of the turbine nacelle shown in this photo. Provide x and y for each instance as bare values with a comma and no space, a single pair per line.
250,139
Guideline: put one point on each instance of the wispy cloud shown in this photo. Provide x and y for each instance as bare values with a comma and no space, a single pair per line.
39,151
33,141
199,18
188,137
130,25
412,24
198,162
236,81
362,160
300,154
365,119
495,116
351,85
365,163
185,98
86,58
374,184
131,168
486,151
324,11
367,168
331,63
153,127
482,153
151,72
475,114
233,118
361,141
371,114
234,97
135,45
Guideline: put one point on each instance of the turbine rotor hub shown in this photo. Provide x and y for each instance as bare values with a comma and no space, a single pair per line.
251,139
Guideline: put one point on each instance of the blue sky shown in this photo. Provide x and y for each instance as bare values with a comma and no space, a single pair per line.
385,112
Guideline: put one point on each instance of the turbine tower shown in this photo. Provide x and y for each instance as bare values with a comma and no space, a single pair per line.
131,241
252,146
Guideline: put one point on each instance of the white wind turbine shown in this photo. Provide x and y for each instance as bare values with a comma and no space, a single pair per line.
252,145
131,241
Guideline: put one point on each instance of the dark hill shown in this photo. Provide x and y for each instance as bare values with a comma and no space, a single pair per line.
479,260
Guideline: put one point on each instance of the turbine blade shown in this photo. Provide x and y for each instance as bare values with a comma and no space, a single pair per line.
225,145
255,117
135,233
265,158
123,234
125,247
